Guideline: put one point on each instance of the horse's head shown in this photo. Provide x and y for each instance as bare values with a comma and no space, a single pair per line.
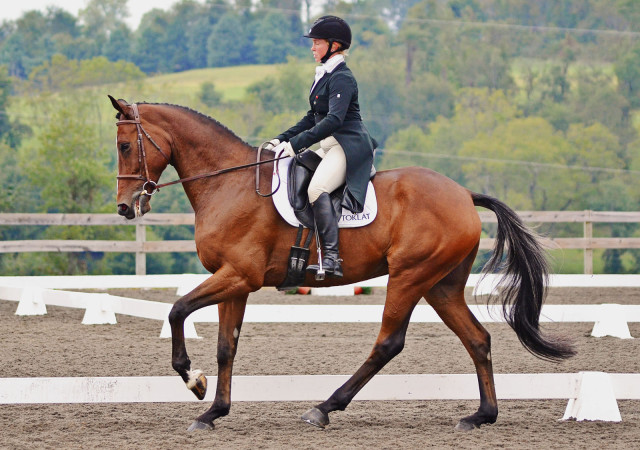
143,149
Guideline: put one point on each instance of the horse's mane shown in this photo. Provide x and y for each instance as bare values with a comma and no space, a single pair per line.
207,120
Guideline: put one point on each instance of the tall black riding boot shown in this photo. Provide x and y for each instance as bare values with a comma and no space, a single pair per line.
327,224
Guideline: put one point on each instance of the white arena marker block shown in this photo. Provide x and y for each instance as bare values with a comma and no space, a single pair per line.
31,303
612,322
98,311
189,330
333,290
595,399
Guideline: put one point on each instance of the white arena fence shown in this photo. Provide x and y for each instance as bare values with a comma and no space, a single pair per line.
591,395
34,293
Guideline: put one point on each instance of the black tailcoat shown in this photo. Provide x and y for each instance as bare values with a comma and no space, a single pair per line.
335,112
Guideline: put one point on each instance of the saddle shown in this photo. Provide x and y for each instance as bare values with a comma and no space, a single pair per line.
298,176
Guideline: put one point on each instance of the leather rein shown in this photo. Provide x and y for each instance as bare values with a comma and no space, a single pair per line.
155,187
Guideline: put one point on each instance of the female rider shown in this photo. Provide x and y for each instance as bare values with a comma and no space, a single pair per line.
346,148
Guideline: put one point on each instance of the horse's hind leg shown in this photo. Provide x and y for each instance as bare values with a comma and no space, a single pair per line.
447,298
401,300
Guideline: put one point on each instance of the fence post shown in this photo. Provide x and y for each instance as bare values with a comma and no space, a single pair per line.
588,251
141,256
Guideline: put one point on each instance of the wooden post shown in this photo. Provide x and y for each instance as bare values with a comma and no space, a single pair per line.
588,251
141,256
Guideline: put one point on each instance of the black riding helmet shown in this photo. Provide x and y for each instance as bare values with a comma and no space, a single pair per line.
333,29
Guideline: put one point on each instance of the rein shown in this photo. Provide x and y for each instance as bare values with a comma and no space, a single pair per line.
155,187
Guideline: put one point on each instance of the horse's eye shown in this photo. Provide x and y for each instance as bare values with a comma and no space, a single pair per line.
124,147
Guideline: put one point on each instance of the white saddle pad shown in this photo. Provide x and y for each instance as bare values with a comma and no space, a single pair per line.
347,218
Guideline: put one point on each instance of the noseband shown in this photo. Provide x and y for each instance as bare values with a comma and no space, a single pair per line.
142,155
155,187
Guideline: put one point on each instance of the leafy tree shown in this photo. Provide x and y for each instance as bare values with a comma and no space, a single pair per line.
627,69
380,90
274,42
596,101
426,98
515,164
198,33
101,18
5,91
27,46
68,166
208,94
182,16
230,42
119,45
11,180
287,91
11,132
67,161
62,73
149,44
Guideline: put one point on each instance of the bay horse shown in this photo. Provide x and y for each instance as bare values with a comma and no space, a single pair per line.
425,237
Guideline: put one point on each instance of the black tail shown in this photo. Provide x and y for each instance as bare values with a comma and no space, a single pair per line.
525,274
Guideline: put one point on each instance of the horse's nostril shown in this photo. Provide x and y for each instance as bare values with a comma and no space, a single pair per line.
122,209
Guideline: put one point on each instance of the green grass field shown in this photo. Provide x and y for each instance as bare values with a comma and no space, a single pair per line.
232,82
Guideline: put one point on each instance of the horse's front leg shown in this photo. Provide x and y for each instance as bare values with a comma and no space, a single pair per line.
231,314
224,285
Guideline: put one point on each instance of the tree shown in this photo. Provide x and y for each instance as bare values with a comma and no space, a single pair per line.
627,69
181,18
62,73
68,166
101,18
208,94
274,41
514,162
230,42
11,131
426,98
149,45
380,89
67,161
119,45
198,33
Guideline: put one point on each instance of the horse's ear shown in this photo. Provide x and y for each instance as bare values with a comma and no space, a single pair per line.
122,106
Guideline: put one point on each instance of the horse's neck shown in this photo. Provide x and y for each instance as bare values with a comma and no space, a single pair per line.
205,150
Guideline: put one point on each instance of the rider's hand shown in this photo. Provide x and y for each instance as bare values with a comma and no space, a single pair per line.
286,146
271,144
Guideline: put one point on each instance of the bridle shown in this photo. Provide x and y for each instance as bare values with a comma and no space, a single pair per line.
142,154
155,187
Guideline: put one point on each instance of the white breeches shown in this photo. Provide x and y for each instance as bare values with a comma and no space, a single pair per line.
332,170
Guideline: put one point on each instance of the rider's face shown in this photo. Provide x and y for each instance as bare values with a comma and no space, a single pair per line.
319,48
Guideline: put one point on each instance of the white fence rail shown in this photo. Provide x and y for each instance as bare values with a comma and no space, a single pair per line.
590,395
32,294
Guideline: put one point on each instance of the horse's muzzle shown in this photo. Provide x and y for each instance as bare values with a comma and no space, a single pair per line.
126,211
138,207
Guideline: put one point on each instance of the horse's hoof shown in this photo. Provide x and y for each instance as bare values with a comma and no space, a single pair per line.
465,426
197,383
316,418
197,425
